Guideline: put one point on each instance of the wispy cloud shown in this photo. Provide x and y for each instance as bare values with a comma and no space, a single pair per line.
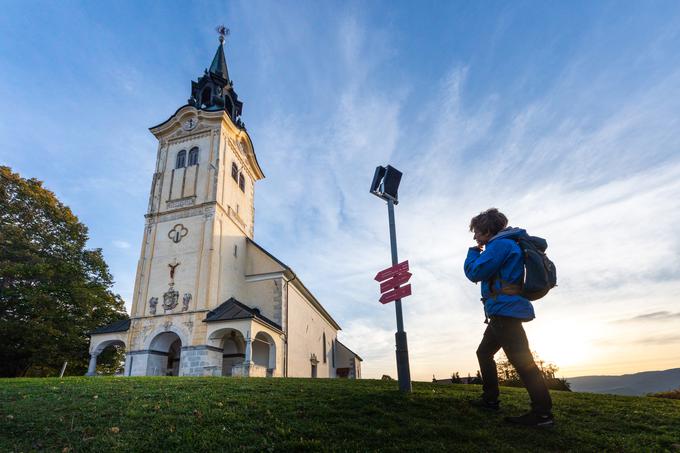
593,186
660,340
653,316
121,244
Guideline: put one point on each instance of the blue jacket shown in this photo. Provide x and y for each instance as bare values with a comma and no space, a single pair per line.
501,260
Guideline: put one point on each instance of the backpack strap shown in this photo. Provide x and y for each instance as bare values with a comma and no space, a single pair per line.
509,289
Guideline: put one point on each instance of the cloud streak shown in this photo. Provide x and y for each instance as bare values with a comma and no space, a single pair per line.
591,185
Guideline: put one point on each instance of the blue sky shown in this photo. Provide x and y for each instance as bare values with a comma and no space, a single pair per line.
562,115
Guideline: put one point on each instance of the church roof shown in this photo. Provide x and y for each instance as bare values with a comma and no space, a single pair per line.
350,351
233,309
298,283
118,326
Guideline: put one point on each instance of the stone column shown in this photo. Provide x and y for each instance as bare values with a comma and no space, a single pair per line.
92,368
249,350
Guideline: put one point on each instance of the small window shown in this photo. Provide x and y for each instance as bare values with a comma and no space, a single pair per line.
181,159
193,156
324,347
234,171
205,96
241,182
333,353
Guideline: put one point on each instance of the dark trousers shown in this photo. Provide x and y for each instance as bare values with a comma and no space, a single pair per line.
508,333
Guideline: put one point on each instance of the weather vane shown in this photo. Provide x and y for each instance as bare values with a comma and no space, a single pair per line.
222,31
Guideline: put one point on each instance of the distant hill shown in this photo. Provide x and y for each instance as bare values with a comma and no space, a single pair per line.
628,384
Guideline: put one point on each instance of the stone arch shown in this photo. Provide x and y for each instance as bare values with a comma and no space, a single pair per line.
164,354
98,348
264,351
181,333
233,345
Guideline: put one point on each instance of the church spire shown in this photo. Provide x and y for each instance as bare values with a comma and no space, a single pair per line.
219,63
214,90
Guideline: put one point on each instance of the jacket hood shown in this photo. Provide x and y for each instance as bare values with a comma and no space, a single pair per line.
510,233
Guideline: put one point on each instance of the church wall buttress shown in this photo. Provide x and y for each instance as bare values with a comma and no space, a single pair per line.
140,267
214,159
146,272
208,263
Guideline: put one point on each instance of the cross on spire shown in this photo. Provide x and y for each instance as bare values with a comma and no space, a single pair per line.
223,32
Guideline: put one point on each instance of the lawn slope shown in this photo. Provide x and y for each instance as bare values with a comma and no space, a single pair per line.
231,414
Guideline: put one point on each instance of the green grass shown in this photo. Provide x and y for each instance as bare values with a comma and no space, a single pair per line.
230,414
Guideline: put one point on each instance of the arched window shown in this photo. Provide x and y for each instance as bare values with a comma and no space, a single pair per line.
181,159
193,156
228,105
205,96
324,347
234,171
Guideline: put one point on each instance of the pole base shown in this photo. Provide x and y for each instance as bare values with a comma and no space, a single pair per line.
403,368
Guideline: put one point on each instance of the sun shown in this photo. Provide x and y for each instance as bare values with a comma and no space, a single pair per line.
562,345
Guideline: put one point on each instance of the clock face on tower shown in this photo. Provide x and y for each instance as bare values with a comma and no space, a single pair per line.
189,124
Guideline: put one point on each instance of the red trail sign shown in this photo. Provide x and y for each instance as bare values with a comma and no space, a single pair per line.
392,278
391,271
397,293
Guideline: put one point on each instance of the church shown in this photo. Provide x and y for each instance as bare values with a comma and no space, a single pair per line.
208,300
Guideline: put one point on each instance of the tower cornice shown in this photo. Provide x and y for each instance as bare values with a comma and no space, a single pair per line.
218,120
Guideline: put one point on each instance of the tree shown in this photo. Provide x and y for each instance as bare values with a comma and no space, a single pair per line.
53,291
455,378
477,379
508,376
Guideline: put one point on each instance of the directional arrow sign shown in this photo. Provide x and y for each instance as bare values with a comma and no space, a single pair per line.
395,294
395,281
392,271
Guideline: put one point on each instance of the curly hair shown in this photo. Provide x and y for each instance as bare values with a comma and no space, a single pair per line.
490,221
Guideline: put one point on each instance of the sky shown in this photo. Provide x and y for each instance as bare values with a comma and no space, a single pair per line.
564,115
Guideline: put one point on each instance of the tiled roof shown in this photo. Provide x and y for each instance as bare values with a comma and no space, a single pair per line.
233,309
118,326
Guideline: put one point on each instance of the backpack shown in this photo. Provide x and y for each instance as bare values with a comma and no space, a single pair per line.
540,275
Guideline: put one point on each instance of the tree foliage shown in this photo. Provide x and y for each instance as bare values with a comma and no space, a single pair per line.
53,291
508,376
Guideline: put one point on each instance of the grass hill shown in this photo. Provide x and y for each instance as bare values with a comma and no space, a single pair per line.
231,414
629,384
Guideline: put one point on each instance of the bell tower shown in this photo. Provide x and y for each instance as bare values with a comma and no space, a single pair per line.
201,205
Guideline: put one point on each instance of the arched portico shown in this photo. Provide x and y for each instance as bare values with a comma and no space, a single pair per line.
99,346
264,352
164,355
233,345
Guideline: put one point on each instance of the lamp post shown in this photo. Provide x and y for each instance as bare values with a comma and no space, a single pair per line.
385,185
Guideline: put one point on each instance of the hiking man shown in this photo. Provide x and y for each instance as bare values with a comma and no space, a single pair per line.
497,261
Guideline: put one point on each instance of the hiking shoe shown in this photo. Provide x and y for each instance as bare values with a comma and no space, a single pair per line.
484,404
532,419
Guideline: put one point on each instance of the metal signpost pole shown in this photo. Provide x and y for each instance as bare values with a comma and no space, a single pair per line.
403,369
